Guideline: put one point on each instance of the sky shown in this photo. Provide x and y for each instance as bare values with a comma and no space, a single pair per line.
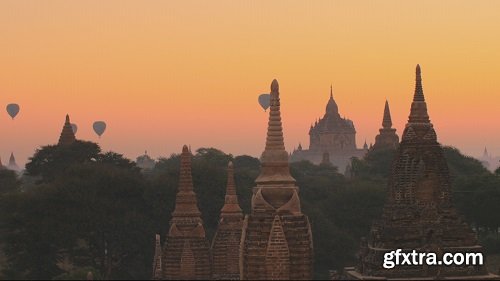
167,73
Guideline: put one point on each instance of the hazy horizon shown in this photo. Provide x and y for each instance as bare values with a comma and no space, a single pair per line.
164,74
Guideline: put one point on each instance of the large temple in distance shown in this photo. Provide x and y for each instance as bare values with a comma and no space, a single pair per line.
418,213
331,137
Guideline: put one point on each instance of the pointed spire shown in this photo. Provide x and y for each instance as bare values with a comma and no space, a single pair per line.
419,91
274,159
67,135
185,201
231,205
12,163
365,146
485,153
418,112
12,159
331,106
387,120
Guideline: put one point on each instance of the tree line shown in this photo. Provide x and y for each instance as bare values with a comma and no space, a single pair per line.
77,209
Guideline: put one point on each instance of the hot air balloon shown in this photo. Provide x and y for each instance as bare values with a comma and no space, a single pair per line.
13,110
99,127
74,127
265,101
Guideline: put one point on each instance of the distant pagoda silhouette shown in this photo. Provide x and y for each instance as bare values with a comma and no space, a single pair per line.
12,163
418,213
277,239
67,135
331,134
186,253
227,239
387,137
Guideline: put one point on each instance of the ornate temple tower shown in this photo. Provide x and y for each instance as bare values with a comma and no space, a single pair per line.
331,134
227,239
387,138
418,213
277,240
186,254
67,135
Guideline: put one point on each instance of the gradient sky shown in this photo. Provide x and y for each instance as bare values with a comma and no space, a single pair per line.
166,73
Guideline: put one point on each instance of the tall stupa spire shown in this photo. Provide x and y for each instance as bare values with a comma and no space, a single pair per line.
418,112
67,135
185,202
274,159
186,252
231,206
227,238
277,239
387,120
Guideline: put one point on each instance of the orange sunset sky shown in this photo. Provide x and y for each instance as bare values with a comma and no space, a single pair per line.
166,73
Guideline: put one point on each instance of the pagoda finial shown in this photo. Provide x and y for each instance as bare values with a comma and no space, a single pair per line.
418,112
274,156
67,135
331,91
419,92
387,120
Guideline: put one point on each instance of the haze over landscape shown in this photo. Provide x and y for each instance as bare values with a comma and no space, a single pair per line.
162,74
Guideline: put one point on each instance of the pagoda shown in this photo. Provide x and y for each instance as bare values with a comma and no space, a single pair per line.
418,213
67,135
387,137
331,134
12,163
277,240
227,239
186,254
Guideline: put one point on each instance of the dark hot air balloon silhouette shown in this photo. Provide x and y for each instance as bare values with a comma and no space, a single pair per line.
13,110
265,101
74,127
99,127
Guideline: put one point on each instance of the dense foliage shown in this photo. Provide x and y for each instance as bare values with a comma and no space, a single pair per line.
94,211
